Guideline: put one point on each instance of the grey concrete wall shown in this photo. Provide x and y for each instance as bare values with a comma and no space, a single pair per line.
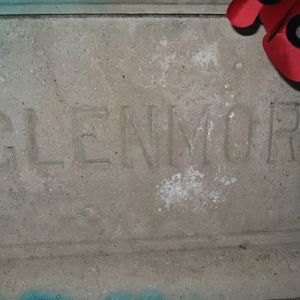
128,144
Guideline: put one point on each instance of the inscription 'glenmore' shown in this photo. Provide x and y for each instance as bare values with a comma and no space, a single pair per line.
178,135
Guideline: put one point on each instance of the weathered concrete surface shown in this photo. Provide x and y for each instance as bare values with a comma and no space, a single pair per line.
138,135
255,273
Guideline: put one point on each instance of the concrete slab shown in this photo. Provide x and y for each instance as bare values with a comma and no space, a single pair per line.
128,144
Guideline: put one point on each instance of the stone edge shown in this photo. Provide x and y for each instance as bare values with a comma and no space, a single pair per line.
114,9
134,246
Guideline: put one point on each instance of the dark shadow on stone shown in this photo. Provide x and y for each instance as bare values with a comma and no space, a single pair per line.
295,85
286,299
249,30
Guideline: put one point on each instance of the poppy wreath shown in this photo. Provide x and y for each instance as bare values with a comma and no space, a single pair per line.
281,19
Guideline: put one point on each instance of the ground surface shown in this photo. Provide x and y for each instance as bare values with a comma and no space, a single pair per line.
145,153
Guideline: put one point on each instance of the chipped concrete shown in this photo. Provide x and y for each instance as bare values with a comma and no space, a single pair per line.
146,153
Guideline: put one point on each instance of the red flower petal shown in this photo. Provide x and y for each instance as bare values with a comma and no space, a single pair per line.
284,56
272,15
243,13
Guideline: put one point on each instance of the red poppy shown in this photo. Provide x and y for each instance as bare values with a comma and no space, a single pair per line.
281,19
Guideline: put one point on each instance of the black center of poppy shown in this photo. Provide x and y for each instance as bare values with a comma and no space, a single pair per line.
269,2
293,31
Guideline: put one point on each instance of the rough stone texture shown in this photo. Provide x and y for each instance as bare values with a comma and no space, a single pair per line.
126,138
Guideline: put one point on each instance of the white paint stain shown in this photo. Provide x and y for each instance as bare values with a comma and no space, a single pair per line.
209,129
194,190
238,65
223,179
227,181
188,189
231,115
